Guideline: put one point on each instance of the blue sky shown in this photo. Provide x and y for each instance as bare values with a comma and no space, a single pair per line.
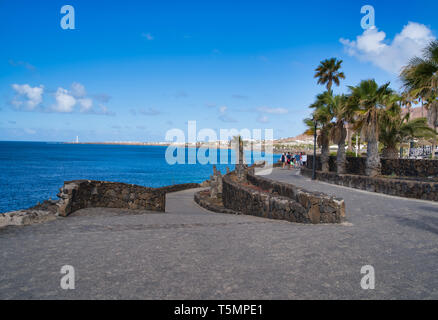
131,70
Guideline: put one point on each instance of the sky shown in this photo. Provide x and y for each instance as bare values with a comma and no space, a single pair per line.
132,70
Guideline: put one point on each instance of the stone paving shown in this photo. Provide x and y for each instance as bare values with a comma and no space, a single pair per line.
191,253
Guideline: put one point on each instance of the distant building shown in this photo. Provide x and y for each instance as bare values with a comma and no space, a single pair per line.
418,112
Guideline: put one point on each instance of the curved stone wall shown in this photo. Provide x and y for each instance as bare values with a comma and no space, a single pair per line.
79,194
204,202
276,200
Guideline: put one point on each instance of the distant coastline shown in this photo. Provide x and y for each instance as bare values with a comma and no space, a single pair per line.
134,143
149,144
295,144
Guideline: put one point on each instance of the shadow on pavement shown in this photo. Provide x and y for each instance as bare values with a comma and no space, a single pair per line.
425,223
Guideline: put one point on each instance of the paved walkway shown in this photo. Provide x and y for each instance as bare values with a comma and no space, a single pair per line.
190,253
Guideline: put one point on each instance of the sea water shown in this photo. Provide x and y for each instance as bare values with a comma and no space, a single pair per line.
32,172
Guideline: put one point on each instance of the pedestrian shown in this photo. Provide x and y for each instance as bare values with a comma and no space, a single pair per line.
297,160
304,159
283,160
289,159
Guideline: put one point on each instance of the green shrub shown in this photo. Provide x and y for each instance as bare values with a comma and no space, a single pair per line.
351,154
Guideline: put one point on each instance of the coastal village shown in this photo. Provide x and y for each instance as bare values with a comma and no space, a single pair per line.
416,148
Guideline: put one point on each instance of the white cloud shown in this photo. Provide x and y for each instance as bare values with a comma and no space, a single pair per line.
263,119
102,97
86,104
226,118
389,55
103,110
68,101
148,36
29,131
65,102
272,110
28,96
78,90
25,64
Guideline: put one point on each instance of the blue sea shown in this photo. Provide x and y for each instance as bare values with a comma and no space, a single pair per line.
32,172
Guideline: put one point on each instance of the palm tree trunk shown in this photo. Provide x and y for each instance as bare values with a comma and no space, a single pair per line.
341,156
390,152
433,144
325,151
329,85
350,138
373,165
357,146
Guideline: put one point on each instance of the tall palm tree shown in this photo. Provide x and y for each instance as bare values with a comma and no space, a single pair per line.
343,112
370,98
328,72
420,79
396,127
323,115
420,76
350,133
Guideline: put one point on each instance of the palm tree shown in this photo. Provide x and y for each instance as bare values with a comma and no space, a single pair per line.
238,143
370,99
420,79
350,133
328,72
323,115
396,128
343,112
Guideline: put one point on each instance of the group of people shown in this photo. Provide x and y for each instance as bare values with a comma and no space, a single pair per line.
293,160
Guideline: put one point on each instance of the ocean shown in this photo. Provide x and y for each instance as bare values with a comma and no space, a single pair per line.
32,172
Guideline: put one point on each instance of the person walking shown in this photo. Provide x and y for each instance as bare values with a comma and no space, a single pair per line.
304,159
283,159
289,159
297,160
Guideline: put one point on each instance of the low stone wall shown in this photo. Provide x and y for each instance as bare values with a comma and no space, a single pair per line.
395,187
206,203
178,187
281,201
353,165
25,217
410,167
79,194
420,168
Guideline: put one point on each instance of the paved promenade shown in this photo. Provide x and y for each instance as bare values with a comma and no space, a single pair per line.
190,253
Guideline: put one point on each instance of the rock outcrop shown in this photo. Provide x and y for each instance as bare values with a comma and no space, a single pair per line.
25,217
